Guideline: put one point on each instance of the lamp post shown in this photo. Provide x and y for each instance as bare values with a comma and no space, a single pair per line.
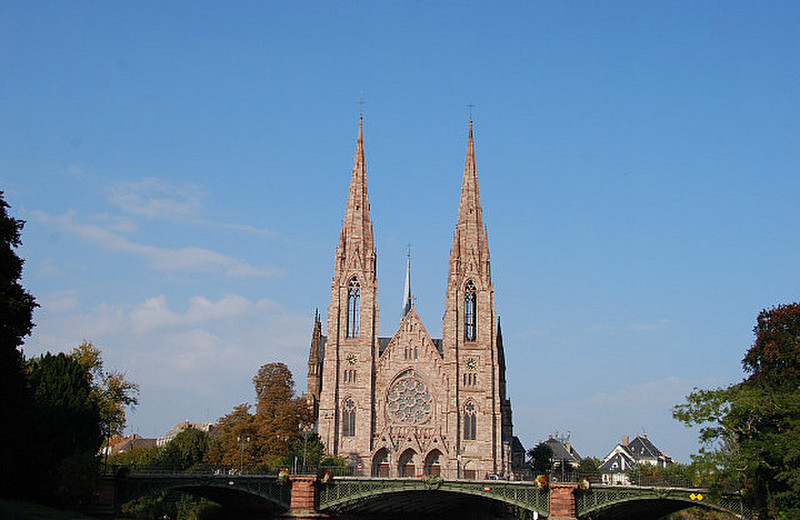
242,442
306,433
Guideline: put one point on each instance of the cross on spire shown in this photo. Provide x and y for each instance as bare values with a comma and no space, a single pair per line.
471,105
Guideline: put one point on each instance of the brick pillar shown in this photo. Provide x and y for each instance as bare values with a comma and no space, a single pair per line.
562,501
302,502
103,503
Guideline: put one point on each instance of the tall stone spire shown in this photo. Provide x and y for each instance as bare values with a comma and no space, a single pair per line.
356,246
352,341
470,250
407,287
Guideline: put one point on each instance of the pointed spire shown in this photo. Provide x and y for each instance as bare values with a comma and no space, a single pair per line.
356,236
469,210
470,251
407,288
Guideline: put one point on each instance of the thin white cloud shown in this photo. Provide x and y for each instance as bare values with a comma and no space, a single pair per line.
190,362
155,198
159,258
61,302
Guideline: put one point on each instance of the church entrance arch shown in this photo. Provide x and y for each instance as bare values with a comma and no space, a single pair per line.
470,472
380,463
407,464
433,463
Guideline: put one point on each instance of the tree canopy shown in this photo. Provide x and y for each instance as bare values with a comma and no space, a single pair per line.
270,435
110,390
751,430
63,433
541,457
16,322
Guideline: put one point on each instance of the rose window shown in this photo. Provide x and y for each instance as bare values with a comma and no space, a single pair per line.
409,401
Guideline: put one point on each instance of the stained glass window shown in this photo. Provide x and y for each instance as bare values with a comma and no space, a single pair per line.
409,401
469,311
349,418
353,299
470,422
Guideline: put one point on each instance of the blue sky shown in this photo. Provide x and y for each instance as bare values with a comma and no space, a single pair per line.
183,169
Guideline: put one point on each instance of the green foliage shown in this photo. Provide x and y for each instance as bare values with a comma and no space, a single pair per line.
541,458
671,475
312,449
272,435
187,449
751,430
590,467
16,322
137,459
110,390
64,432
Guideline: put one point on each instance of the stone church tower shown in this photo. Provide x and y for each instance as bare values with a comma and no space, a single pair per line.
411,405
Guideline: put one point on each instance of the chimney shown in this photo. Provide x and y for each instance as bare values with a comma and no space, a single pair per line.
624,440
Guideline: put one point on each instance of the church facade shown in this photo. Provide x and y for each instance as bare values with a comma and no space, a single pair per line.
411,404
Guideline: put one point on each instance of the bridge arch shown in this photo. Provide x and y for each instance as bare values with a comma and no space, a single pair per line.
609,502
426,496
232,492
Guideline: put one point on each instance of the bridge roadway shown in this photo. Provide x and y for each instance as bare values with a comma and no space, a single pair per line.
305,497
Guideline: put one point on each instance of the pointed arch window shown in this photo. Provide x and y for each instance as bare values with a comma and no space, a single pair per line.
470,422
353,305
349,419
469,311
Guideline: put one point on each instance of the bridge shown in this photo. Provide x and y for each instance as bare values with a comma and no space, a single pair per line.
308,497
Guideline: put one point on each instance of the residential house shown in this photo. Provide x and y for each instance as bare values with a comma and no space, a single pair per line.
629,454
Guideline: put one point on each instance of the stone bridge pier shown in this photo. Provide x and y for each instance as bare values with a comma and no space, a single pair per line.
562,502
303,501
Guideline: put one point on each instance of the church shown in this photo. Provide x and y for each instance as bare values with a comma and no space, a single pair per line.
413,405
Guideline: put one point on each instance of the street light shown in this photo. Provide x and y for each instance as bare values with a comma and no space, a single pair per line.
305,431
242,442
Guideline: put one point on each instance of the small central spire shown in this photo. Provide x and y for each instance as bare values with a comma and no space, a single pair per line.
407,303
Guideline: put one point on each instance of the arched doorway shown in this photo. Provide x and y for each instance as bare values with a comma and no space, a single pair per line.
470,473
433,464
380,463
406,464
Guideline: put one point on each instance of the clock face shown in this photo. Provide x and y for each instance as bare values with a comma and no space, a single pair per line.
471,363
351,359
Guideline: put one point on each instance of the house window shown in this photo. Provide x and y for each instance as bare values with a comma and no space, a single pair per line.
349,419
469,311
470,421
353,299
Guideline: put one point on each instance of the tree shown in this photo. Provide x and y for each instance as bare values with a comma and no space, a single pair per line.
590,467
64,431
266,437
16,322
751,430
541,458
187,449
110,390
